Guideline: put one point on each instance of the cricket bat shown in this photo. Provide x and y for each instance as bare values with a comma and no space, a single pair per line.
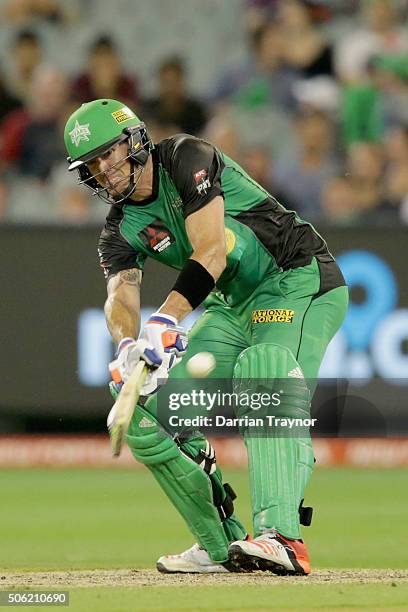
124,407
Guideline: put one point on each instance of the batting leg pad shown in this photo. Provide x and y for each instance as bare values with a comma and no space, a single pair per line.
280,462
197,447
185,483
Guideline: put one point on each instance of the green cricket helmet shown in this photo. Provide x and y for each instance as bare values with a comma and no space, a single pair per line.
95,128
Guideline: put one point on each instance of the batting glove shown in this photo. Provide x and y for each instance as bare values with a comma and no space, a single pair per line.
161,346
130,352
164,335
154,380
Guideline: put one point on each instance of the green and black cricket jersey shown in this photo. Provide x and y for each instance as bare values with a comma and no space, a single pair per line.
262,237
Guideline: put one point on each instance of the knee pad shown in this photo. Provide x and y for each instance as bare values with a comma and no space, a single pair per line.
267,361
272,368
149,442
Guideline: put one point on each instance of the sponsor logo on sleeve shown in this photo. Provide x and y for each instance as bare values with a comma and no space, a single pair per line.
202,181
123,114
230,240
156,237
273,315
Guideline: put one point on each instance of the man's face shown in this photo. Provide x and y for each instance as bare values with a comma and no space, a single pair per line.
112,169
27,55
171,82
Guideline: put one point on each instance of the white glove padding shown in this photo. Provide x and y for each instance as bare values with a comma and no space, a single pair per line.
130,352
161,337
164,335
155,379
158,377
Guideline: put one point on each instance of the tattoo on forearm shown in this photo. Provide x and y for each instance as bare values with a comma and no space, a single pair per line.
130,277
122,306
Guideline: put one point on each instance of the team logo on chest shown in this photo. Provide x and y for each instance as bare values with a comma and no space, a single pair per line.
202,181
156,236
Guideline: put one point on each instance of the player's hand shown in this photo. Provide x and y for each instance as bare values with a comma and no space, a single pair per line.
161,346
155,379
164,335
168,341
130,352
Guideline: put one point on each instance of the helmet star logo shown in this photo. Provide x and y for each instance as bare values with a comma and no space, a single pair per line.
80,132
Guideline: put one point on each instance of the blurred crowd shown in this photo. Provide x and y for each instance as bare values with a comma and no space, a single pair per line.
316,111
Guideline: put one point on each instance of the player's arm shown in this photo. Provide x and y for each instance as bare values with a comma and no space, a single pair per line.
122,266
122,306
205,230
196,167
122,312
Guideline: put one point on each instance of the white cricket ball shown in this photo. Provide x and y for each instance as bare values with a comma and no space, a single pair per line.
201,365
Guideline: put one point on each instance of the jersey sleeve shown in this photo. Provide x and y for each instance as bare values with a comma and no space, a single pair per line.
196,172
115,253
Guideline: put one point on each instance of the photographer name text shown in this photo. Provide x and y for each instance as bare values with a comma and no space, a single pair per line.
222,421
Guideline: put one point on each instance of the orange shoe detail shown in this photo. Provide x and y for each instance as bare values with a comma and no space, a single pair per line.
301,554
268,547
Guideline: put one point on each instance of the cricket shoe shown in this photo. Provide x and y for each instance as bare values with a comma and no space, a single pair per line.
195,560
271,552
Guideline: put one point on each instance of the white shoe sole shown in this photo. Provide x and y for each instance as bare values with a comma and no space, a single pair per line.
165,567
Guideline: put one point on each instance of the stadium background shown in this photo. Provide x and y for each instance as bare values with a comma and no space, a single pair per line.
310,97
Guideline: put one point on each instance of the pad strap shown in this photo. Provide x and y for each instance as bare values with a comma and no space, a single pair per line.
226,509
305,514
206,459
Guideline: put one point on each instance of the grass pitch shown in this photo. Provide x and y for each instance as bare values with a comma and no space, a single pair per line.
56,520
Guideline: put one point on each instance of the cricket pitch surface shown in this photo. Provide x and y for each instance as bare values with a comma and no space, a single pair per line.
149,577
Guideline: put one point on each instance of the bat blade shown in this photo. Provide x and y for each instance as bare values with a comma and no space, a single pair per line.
124,407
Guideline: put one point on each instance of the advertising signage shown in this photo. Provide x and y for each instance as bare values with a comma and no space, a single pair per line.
55,346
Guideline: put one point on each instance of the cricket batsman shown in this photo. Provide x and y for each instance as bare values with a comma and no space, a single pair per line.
273,297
